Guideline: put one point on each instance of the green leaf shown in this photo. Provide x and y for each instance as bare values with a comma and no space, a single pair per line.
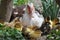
50,8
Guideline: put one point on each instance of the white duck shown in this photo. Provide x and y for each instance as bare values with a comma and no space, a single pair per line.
31,17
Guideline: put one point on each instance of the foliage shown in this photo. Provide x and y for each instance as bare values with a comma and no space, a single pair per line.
50,8
1,26
8,33
54,35
19,2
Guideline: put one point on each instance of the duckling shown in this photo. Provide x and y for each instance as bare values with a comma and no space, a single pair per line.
45,28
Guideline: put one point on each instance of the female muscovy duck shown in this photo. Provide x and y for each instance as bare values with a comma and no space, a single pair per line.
32,17
31,21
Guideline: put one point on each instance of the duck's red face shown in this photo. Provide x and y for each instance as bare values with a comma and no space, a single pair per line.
29,9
